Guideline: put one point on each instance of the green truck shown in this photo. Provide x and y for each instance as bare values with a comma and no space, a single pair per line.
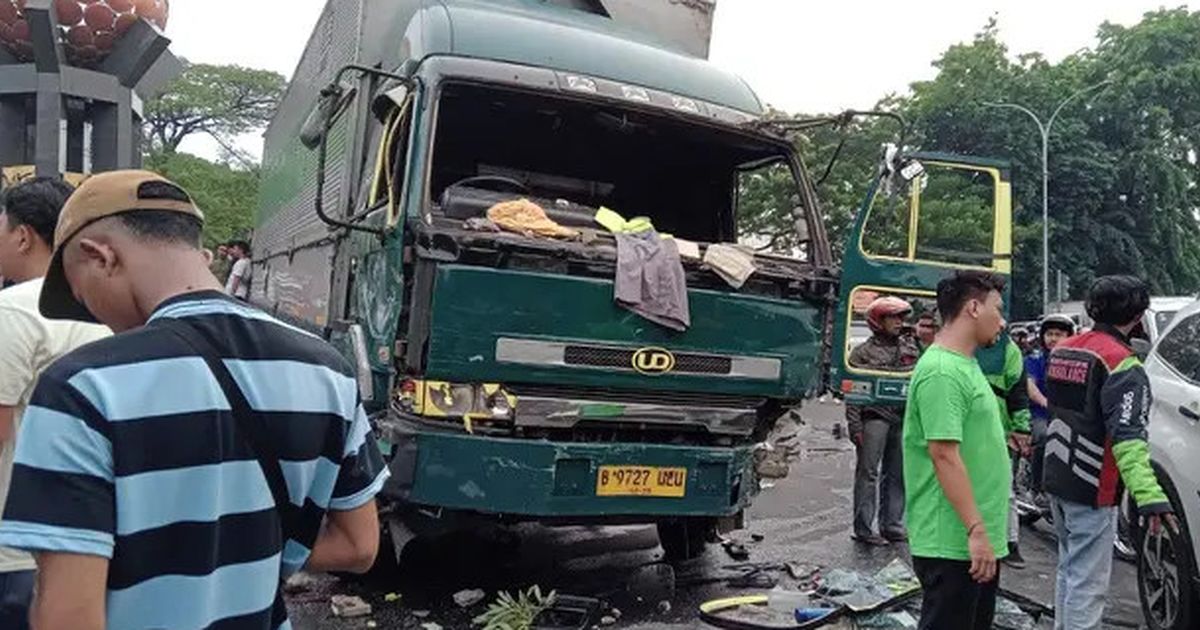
505,382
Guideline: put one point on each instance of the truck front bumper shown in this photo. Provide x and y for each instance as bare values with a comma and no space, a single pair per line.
539,479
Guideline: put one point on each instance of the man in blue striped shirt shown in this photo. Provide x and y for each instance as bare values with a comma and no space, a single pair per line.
143,499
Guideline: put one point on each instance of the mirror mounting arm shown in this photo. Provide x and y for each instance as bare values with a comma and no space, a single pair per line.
333,101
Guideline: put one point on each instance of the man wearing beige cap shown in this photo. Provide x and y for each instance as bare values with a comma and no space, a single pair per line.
172,475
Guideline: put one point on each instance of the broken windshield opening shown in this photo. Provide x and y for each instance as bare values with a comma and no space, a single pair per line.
684,177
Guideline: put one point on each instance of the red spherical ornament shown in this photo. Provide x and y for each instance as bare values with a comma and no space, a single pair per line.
8,13
89,29
80,35
69,12
99,16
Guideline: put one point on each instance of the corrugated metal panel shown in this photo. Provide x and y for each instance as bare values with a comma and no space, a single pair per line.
286,216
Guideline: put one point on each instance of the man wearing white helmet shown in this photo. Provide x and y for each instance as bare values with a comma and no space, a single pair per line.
876,429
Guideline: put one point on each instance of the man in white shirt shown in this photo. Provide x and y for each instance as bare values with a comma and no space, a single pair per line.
238,283
28,344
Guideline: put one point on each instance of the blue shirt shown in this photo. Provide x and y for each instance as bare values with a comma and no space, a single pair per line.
1035,368
129,451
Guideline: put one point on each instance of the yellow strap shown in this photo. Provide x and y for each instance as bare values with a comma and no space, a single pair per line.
615,223
611,221
732,602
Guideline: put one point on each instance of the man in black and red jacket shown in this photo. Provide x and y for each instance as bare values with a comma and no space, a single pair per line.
1099,407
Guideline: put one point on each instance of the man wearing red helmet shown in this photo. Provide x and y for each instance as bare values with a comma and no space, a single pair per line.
876,430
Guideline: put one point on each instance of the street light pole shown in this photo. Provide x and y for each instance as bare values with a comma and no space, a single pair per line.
1044,132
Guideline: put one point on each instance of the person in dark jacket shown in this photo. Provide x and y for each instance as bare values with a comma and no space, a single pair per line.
876,429
1099,399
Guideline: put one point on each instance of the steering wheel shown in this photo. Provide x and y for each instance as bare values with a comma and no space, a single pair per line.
496,183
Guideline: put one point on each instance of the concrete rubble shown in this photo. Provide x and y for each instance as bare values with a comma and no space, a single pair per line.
468,598
347,606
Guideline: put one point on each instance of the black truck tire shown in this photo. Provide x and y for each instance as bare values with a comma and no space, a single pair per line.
685,539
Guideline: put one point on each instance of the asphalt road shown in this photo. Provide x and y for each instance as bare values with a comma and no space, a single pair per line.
803,518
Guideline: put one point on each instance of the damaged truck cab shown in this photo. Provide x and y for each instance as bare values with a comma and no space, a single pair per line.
505,381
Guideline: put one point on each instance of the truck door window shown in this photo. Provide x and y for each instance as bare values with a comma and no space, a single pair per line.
391,161
766,196
886,357
945,216
887,229
955,216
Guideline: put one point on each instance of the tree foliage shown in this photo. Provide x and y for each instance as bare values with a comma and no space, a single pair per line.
1123,160
226,195
220,100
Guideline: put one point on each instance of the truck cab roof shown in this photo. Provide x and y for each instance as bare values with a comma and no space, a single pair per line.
534,33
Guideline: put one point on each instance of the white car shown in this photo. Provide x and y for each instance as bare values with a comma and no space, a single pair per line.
1168,581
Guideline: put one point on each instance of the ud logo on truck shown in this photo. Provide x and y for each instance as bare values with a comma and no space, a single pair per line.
653,361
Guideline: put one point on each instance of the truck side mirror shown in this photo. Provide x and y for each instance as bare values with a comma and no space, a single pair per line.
330,103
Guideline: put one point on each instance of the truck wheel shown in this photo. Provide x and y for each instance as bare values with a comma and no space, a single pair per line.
1166,567
685,539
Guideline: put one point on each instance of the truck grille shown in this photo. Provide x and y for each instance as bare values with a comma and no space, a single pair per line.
596,356
612,357
683,399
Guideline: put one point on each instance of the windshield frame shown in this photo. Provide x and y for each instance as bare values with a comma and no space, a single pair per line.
437,72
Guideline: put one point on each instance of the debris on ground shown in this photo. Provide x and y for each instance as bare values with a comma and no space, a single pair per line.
756,537
371,623
771,462
802,570
1009,616
468,598
664,607
756,576
572,611
849,600
299,583
899,620
421,614
431,626
862,593
516,613
608,620
391,597
347,606
735,549
652,582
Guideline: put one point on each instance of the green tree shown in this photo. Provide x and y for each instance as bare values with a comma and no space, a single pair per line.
1124,179
227,195
219,100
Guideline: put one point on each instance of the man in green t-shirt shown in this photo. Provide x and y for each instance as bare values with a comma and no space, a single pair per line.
956,465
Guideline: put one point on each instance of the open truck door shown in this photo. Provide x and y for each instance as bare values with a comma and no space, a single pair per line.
927,215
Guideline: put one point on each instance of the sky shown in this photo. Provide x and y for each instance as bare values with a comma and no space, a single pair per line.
799,55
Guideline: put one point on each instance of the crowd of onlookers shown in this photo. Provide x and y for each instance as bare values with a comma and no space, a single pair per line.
168,454
937,471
